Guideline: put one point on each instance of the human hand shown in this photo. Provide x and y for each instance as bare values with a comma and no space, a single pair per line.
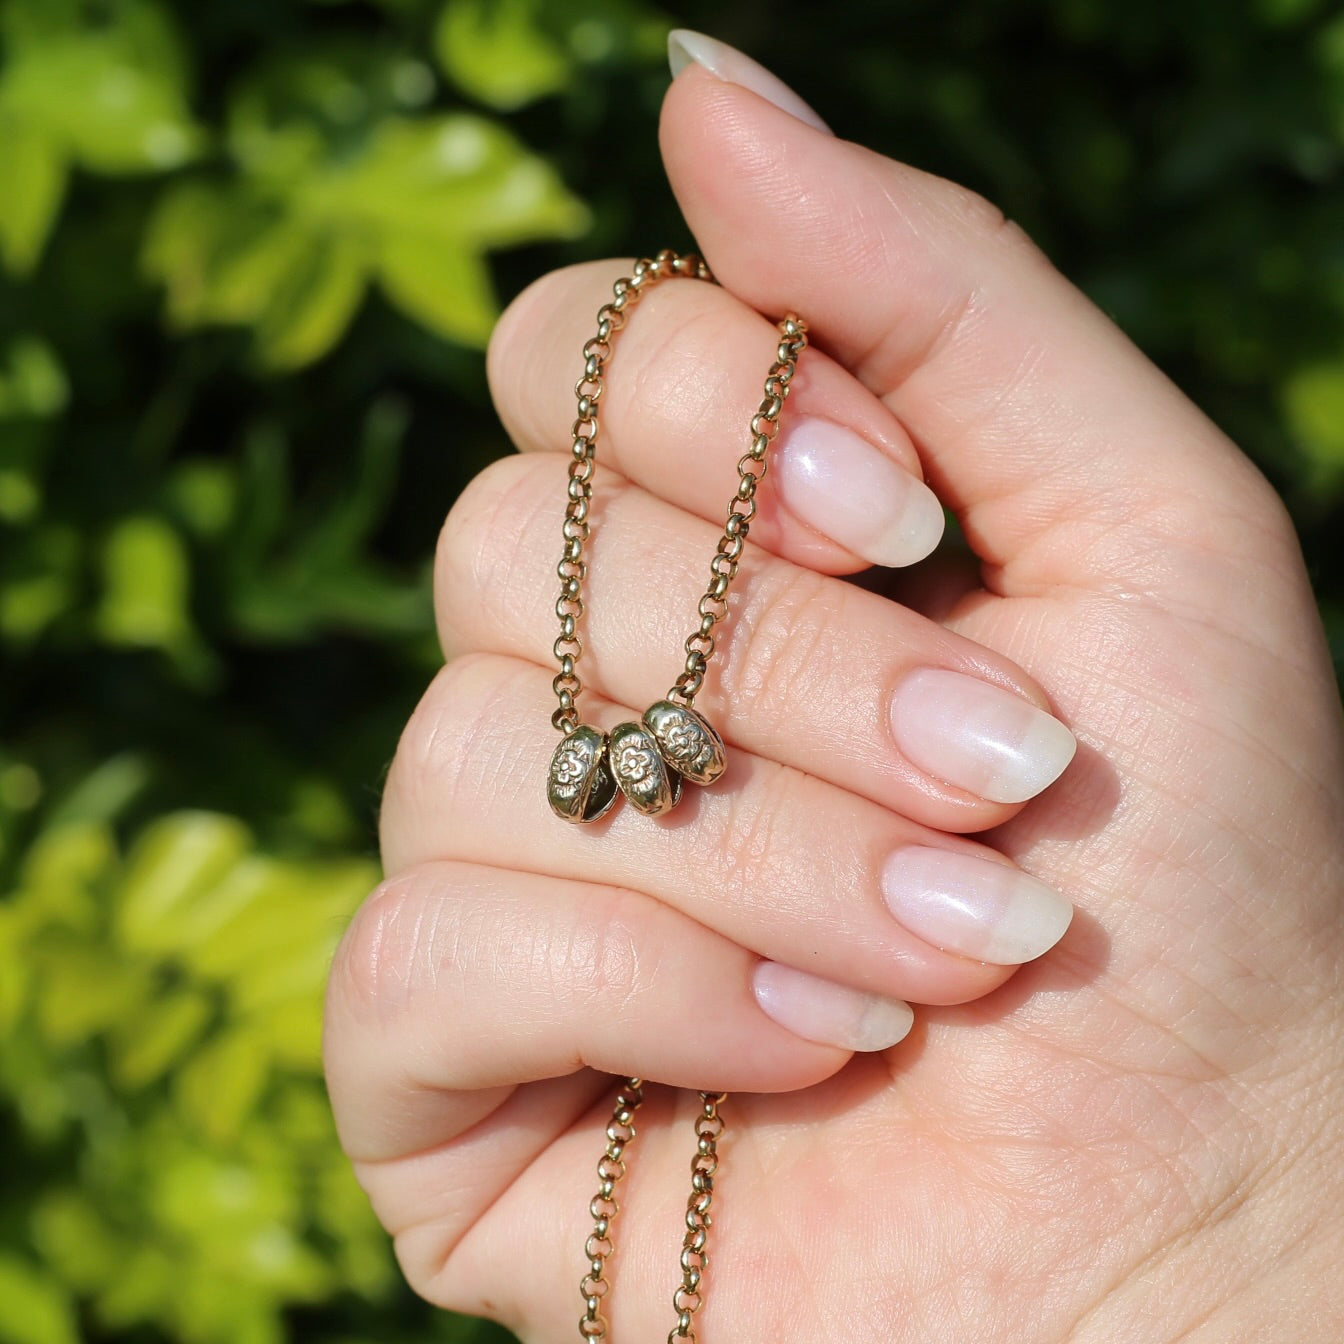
1139,1136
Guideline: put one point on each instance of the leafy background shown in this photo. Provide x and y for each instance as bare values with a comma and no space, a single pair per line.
250,253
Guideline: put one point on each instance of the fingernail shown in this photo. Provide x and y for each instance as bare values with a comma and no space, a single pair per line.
974,906
978,737
830,1014
732,66
837,482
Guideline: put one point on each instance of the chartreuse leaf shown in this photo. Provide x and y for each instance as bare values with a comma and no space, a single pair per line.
80,992
62,872
220,1085
32,183
148,1043
412,202
34,1307
72,1237
15,982
495,51
106,85
32,382
444,286
176,862
312,308
1313,403
146,578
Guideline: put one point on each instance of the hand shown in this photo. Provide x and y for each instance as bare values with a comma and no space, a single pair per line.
1137,1137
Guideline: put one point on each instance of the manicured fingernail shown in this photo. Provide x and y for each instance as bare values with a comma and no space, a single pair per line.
732,66
837,482
974,906
978,737
830,1014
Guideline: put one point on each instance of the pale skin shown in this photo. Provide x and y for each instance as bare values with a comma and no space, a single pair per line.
1139,1135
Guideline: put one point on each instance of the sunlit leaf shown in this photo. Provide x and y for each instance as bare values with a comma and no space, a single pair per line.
32,382
311,309
81,992
32,183
147,1044
108,90
444,286
34,1307
219,1086
176,863
146,577
496,51
73,1237
1313,402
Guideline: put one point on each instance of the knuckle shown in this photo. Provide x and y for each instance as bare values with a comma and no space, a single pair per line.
778,646
745,854
387,947
522,315
457,747
478,559
604,956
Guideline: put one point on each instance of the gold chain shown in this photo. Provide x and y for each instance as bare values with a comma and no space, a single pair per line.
648,761
595,1286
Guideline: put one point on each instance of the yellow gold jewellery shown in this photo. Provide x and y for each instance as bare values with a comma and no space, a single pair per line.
649,760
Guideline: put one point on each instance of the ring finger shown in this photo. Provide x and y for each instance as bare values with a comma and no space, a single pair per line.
779,862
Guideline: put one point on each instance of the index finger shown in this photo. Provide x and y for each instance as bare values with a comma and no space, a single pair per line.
683,383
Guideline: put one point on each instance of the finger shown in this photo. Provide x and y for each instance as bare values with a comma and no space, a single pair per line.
809,671
684,381
793,869
456,982
1038,422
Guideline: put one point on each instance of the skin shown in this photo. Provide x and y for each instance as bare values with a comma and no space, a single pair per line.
1137,1137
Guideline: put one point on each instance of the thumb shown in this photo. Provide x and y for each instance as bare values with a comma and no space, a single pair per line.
1066,455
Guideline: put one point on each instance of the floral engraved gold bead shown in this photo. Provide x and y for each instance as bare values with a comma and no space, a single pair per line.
641,772
580,786
687,740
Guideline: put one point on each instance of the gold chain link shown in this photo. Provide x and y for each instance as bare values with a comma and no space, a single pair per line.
572,569
587,767
595,1286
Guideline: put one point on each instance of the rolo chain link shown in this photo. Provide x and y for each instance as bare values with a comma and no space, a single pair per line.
595,1286
648,761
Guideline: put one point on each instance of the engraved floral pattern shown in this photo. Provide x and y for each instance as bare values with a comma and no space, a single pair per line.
636,763
686,741
570,767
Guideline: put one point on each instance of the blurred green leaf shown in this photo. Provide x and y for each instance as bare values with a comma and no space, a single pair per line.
72,1237
416,202
148,1043
108,88
80,993
446,288
496,51
219,1086
177,870
1313,403
32,183
311,309
146,577
34,1307
32,382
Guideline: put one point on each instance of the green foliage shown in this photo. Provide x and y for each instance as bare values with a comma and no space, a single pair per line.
249,256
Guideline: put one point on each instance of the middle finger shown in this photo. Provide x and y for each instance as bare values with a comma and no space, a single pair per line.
810,671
